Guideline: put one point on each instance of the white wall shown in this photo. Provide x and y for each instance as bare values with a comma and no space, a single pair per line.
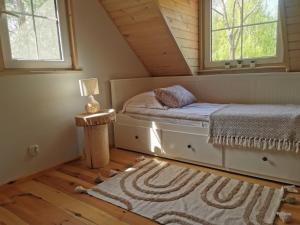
103,53
39,109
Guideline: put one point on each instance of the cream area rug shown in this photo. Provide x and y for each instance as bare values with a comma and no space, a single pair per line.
170,194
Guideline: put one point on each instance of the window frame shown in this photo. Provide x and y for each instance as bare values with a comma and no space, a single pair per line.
208,63
65,63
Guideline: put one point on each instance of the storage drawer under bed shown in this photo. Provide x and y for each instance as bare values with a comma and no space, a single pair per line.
284,165
137,138
192,147
166,143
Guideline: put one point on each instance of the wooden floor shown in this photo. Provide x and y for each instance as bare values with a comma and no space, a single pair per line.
48,198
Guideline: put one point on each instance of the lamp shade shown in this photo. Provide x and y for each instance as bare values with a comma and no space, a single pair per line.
89,87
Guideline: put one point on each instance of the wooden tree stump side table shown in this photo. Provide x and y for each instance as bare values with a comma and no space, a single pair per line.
96,142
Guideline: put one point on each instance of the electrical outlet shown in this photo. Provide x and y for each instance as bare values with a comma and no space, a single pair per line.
33,150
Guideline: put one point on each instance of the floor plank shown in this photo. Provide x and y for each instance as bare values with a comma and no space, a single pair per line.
35,210
9,218
67,184
49,197
84,212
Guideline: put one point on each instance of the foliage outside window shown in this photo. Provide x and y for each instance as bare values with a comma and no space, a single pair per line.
34,34
243,30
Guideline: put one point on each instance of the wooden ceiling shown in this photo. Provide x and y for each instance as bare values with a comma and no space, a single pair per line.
162,33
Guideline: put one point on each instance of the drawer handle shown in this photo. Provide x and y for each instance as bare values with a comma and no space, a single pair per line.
191,147
264,159
136,137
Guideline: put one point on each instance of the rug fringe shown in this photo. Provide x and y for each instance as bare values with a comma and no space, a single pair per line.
81,190
285,217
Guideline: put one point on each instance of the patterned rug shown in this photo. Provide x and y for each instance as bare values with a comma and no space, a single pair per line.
170,194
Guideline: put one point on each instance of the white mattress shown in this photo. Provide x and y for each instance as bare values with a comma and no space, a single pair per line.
196,114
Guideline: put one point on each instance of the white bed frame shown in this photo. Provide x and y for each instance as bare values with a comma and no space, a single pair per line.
188,143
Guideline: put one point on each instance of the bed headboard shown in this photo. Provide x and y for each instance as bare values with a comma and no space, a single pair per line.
273,88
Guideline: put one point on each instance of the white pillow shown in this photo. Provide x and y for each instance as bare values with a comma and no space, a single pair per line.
144,100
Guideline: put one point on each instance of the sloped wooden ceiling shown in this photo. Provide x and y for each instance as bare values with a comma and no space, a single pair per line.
163,33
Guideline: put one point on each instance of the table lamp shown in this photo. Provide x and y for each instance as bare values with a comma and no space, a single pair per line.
89,87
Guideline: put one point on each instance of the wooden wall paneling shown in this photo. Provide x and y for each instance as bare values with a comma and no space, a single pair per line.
165,33
114,5
201,34
144,28
292,17
293,28
293,37
282,12
2,67
182,18
292,2
1,59
295,45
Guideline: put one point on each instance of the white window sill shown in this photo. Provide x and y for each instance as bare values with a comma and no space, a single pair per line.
277,68
13,72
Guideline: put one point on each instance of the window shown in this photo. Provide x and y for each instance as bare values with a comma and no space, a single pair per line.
242,30
34,34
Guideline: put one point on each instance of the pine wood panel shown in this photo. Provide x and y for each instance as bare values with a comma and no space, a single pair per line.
165,33
114,5
144,28
49,197
292,2
292,13
182,18
295,45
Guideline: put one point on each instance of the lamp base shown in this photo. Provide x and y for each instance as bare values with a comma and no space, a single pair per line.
92,106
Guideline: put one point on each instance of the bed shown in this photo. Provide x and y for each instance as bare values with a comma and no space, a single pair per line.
195,114
182,134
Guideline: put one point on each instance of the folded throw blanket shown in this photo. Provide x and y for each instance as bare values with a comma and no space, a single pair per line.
256,126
